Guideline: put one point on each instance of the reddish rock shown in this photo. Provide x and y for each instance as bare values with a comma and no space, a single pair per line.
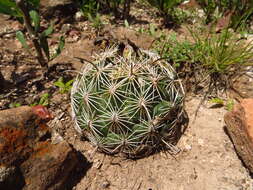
192,4
49,166
42,112
20,128
247,104
223,22
32,157
240,128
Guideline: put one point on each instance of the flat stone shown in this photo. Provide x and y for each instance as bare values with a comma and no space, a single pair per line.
49,166
32,157
247,105
239,124
54,8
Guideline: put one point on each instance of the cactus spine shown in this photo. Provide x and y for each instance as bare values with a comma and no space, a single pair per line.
127,104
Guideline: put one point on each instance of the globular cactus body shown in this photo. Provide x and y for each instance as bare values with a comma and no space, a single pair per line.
127,104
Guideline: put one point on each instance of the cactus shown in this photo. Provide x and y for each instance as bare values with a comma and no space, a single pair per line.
127,104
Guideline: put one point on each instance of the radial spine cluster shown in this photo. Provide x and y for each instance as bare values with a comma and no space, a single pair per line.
127,104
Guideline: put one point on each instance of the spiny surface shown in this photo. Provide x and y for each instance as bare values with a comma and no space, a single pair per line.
129,104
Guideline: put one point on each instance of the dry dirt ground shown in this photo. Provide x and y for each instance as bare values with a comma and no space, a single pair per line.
207,160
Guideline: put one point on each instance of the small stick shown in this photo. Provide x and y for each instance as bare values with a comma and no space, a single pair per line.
8,32
83,59
33,35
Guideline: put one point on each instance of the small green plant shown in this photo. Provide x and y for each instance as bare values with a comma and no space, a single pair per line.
241,11
44,100
229,104
177,52
220,58
152,30
167,9
126,23
242,16
130,105
182,16
120,8
27,14
96,21
209,7
9,7
211,62
64,87
218,101
141,30
222,53
14,105
88,7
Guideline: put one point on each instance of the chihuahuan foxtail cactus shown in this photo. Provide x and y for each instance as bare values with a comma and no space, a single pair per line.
128,104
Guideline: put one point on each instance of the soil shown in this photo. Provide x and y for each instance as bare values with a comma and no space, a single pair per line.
207,160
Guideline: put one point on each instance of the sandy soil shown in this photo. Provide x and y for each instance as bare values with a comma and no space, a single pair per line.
207,160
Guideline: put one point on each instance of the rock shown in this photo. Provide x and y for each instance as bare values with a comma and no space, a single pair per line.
32,157
79,16
73,36
58,8
191,4
240,128
105,184
247,104
223,22
49,166
55,3
66,28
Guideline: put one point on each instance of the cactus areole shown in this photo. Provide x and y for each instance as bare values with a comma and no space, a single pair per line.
128,104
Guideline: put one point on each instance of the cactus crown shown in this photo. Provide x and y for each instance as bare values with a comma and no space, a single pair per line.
128,104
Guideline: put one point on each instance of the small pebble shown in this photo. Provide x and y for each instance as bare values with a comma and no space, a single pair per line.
201,142
105,184
79,16
66,28
188,147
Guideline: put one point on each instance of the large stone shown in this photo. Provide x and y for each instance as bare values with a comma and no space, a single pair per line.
192,4
239,124
58,8
54,3
32,157
223,22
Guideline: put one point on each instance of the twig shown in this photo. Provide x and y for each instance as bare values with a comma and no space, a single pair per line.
139,185
152,43
83,59
7,32
134,46
210,89
161,54
72,71
8,94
